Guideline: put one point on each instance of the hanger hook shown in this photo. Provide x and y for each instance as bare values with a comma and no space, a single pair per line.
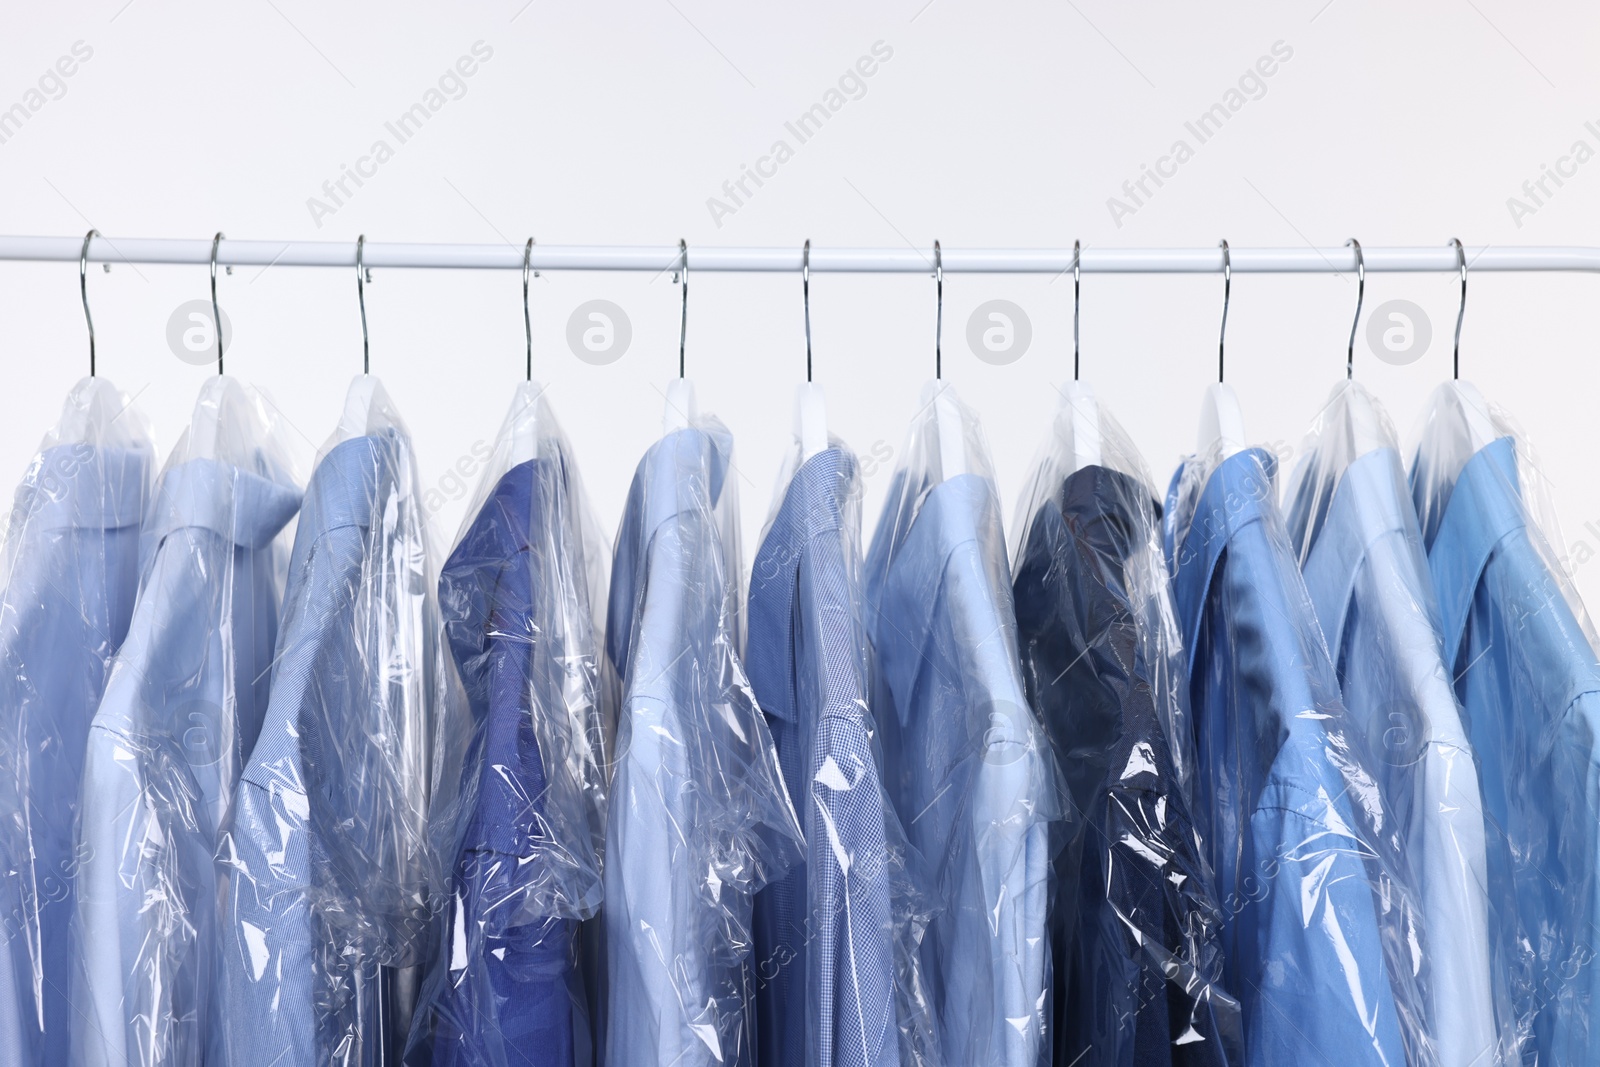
683,313
83,288
1361,294
1077,281
216,313
938,320
527,320
1461,260
362,276
1227,293
805,290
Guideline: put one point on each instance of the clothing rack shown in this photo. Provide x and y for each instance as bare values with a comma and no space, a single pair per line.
909,260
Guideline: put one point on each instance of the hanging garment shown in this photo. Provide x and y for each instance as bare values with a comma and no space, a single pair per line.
699,817
1320,924
1352,519
1136,928
1522,655
71,572
969,766
837,937
518,598
330,877
180,715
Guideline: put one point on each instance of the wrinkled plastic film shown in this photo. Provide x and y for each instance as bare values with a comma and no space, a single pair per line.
699,817
970,768
1522,659
838,939
1322,934
333,879
1136,928
519,596
71,575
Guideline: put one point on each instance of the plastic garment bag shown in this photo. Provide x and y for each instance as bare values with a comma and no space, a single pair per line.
1352,520
1522,655
837,939
71,572
519,597
969,766
1136,929
699,816
1321,933
331,878
180,714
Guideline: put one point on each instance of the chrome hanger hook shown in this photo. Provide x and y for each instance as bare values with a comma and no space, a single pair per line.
1461,259
938,319
527,319
1077,282
1227,293
805,290
216,312
1361,294
683,313
83,288
362,277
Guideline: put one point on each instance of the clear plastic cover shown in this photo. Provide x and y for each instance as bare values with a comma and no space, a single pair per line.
180,715
71,576
1322,932
699,817
331,877
1136,930
1522,656
522,595
1351,517
838,938
970,768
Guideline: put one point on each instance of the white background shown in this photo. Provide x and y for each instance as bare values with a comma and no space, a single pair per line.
991,125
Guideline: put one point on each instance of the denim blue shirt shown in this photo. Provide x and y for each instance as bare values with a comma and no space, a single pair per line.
327,880
1526,674
179,717
1317,936
699,817
74,568
969,766
829,939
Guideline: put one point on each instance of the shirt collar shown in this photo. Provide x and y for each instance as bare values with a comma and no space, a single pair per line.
354,477
1102,505
1485,506
82,486
229,501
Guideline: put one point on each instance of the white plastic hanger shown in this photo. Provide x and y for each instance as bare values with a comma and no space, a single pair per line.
525,431
810,409
1078,416
1221,422
947,414
681,410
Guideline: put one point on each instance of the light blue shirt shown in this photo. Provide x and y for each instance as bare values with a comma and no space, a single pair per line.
328,875
1527,676
179,716
73,550
969,765
1368,579
1318,932
700,818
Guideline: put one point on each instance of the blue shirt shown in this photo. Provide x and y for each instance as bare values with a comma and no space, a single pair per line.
179,717
1526,674
831,935
1368,578
73,555
1136,928
328,865
699,816
514,600
1318,939
969,766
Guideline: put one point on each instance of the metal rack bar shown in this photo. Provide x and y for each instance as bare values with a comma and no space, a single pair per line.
197,252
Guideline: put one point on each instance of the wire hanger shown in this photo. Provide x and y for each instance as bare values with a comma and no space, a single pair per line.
527,320
683,314
363,275
1461,259
805,290
216,313
938,320
1221,422
810,409
83,288
1227,293
1361,293
1077,283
